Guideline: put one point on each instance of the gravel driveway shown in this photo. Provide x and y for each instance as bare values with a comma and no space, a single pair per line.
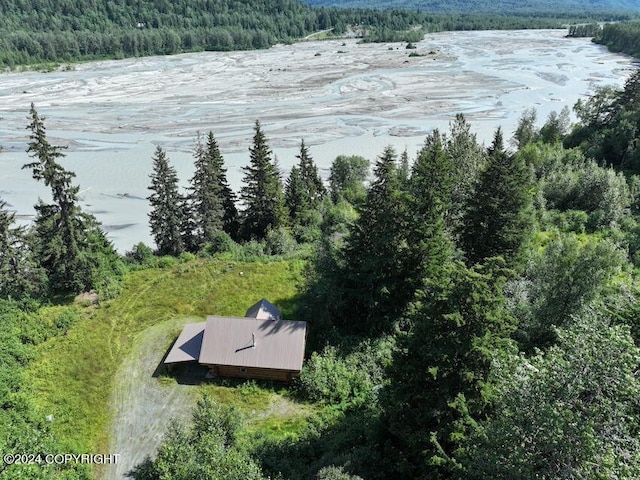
143,405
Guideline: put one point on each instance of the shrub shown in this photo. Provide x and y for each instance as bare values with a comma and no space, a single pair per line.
140,254
348,380
279,242
601,192
221,243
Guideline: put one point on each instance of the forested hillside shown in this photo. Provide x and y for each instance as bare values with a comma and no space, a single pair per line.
33,32
487,6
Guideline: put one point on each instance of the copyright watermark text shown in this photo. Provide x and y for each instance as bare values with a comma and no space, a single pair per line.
59,458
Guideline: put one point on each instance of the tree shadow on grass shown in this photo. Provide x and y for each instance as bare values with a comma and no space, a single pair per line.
355,440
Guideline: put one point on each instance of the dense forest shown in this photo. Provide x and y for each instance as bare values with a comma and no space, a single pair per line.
620,37
498,7
43,31
473,308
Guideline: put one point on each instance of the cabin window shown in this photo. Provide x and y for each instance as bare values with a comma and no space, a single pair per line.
243,370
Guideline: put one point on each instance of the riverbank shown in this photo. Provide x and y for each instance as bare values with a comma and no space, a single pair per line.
341,96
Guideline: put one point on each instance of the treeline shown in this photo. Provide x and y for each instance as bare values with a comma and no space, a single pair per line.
620,37
63,31
207,219
501,7
45,31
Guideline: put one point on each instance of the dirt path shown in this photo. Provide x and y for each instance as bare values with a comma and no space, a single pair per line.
142,405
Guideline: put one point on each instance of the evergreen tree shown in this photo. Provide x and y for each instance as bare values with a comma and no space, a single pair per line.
376,255
166,218
295,197
430,201
19,274
467,158
262,194
440,378
304,193
314,187
211,204
69,244
230,223
404,170
206,202
499,219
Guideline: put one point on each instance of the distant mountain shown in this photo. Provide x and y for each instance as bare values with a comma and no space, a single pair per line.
489,6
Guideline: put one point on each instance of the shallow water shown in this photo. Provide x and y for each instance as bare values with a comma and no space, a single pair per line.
341,97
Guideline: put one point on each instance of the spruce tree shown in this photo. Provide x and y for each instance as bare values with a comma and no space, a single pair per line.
230,212
404,169
499,219
295,197
262,194
206,202
440,377
467,158
166,218
69,244
314,188
20,276
429,203
376,262
304,192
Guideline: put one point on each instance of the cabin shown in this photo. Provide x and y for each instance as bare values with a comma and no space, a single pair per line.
260,345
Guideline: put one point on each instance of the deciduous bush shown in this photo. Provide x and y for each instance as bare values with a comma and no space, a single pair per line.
348,380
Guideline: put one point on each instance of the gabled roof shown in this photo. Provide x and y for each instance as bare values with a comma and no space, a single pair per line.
187,346
264,310
279,344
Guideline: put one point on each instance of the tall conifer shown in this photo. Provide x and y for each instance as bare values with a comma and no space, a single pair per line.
430,201
295,197
206,202
376,257
304,190
262,193
230,212
166,218
314,187
69,244
440,382
19,274
467,159
500,218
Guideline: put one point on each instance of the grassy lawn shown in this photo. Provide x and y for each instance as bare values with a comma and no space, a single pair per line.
74,375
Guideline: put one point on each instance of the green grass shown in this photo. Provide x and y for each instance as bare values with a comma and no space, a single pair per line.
73,375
